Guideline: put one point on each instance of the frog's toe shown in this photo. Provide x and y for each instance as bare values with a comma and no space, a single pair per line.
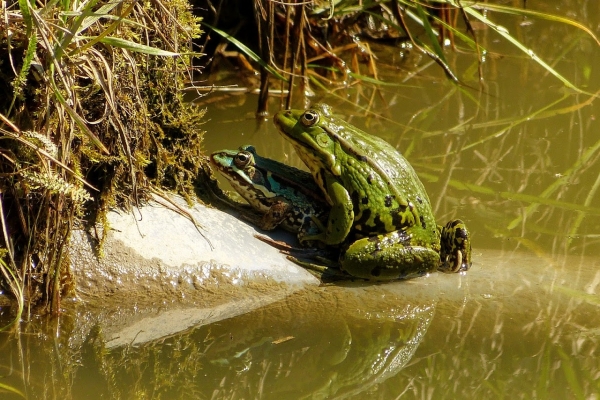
455,262
455,251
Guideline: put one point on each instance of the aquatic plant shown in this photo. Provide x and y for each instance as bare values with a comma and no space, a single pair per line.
320,43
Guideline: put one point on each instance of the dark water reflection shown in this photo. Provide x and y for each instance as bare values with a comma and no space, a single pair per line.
333,342
312,353
514,326
519,162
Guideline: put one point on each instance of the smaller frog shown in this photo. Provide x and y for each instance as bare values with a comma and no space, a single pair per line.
283,195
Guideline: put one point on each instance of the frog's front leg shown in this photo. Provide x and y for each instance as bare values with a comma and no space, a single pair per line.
341,214
387,257
277,213
270,220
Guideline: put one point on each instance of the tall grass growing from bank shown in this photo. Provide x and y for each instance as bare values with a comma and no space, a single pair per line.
91,117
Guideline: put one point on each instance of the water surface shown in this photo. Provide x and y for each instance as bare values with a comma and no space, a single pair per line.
518,161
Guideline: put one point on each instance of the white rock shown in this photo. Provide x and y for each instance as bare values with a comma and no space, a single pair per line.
156,258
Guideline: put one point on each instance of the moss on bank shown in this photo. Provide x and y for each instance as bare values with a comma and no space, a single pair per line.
92,117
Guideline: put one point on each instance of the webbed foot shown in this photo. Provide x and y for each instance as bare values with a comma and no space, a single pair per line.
455,253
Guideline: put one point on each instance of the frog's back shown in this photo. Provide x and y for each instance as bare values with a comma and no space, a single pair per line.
387,173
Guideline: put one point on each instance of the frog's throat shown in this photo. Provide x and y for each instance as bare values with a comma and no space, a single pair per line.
306,146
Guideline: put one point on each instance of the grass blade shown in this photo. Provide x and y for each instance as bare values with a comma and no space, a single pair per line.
11,389
21,80
526,198
540,15
132,46
430,33
246,50
78,120
502,31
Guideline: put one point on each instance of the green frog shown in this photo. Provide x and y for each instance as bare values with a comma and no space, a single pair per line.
282,195
375,195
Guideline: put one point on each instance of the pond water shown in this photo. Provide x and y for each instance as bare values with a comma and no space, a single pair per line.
517,161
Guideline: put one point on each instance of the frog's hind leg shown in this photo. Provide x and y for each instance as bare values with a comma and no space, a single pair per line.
388,257
282,246
455,253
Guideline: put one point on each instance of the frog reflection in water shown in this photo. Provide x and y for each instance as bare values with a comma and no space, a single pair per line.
375,193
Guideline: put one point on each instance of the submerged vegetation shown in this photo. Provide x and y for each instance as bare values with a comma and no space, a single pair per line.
92,117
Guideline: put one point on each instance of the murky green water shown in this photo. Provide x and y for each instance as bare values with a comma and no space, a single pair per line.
519,162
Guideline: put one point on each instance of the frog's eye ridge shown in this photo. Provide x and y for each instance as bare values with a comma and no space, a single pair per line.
309,118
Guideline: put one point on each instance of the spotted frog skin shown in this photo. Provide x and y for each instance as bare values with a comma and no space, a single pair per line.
284,196
375,194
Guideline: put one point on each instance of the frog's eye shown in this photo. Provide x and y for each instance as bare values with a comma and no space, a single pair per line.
309,118
242,159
